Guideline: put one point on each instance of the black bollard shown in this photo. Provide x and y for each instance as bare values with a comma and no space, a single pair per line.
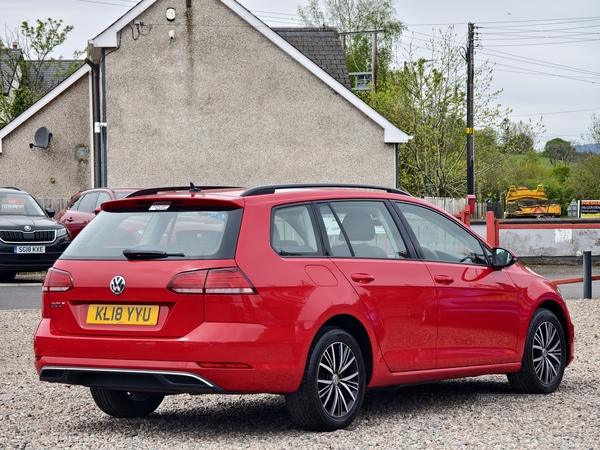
587,275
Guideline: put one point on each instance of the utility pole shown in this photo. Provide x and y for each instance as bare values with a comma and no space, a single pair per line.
374,60
470,103
374,34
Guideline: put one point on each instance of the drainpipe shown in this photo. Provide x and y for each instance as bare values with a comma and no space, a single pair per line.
396,160
96,101
104,166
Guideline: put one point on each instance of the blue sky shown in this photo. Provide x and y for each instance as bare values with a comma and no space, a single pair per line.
554,76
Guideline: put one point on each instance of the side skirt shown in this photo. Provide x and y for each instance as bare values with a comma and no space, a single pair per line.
420,376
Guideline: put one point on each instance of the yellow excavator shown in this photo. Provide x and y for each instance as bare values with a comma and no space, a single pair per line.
523,202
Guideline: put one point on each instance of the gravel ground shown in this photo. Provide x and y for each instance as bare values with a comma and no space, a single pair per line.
468,413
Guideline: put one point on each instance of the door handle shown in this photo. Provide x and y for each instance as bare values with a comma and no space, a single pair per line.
443,279
363,278
69,219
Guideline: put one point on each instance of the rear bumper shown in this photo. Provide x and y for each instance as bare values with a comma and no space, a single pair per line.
165,382
271,362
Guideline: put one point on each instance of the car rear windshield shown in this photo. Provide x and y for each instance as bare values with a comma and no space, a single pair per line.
180,233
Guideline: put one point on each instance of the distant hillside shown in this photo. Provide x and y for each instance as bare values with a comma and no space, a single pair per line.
594,148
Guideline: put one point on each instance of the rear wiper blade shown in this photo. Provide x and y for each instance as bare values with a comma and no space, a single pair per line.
148,254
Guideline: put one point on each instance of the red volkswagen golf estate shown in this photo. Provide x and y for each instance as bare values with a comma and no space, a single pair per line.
316,292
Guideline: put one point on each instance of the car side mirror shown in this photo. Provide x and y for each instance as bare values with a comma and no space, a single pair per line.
502,258
97,210
50,212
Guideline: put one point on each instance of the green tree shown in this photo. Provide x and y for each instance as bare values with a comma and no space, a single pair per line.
527,170
30,62
355,16
426,98
558,150
593,133
518,138
491,165
584,179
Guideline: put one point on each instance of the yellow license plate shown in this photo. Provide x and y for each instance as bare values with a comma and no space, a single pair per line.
123,314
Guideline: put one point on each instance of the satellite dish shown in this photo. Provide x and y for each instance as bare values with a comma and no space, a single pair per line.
42,138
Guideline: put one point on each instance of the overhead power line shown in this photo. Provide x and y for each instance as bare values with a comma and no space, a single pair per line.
129,5
555,112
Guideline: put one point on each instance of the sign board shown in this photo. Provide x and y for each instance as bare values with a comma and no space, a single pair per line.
589,209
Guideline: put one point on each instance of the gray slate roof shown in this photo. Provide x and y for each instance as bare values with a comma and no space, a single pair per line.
52,72
8,56
322,46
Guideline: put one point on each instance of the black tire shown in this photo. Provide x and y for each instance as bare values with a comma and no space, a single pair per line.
544,357
7,276
333,385
125,403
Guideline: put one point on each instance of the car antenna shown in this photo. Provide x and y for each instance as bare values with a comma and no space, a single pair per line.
194,188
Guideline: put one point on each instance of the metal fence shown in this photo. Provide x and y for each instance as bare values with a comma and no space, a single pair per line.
53,203
456,205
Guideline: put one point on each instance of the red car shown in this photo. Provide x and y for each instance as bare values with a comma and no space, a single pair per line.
80,209
316,292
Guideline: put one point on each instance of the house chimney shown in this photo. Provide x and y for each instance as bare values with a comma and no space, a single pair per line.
15,45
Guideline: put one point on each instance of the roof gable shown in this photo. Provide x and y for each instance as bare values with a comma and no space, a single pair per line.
109,39
40,104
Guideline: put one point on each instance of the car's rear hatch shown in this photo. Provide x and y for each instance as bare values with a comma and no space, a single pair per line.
141,268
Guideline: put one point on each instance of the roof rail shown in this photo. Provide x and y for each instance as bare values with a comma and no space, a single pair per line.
10,187
190,188
270,189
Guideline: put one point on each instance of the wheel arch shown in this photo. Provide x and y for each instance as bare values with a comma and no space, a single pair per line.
558,311
354,327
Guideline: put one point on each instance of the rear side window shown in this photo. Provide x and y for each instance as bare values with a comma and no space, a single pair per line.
182,234
293,231
362,229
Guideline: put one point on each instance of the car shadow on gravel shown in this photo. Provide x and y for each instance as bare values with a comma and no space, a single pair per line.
263,415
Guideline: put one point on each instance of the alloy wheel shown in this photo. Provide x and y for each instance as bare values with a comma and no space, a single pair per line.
338,379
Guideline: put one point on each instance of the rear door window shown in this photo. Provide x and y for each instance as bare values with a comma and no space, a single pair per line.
362,229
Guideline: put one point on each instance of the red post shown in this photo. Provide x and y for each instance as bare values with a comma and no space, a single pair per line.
466,216
471,203
490,228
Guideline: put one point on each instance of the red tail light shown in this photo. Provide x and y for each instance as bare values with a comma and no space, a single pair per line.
230,281
188,282
57,281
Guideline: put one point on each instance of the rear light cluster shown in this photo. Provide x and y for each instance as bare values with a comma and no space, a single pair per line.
229,281
57,281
